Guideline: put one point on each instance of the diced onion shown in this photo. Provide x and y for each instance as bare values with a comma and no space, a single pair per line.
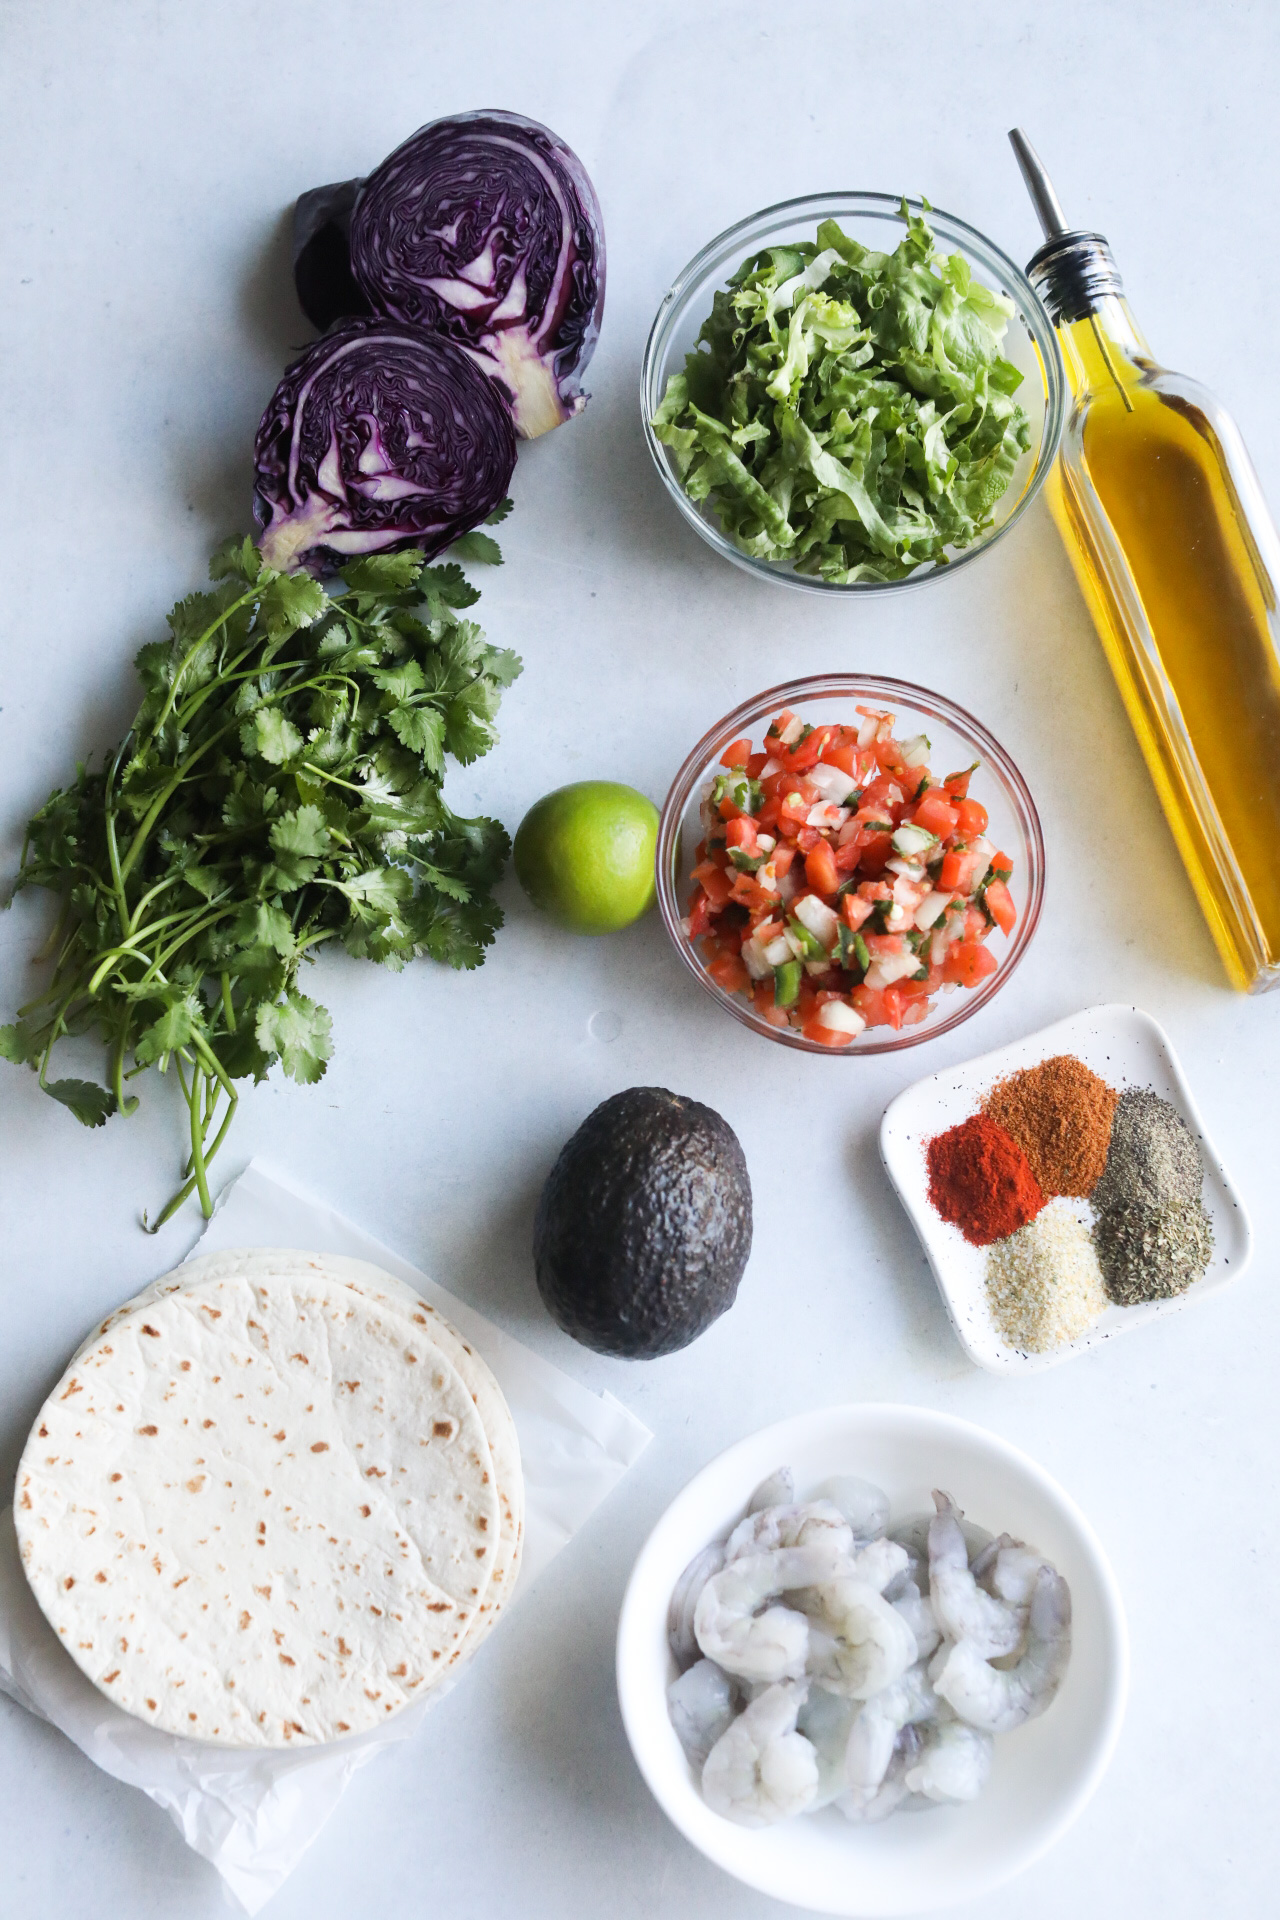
818,917
840,1018
931,908
833,783
755,959
869,730
770,767
892,968
824,815
911,840
778,951
915,751
792,731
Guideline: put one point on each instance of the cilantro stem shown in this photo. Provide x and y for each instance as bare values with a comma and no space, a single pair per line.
195,647
227,1008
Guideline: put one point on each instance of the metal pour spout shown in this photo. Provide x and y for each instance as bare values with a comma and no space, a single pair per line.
1045,201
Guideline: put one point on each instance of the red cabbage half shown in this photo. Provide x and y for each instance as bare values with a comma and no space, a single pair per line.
378,437
485,227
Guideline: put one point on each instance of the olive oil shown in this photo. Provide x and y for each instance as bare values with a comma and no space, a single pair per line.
1178,559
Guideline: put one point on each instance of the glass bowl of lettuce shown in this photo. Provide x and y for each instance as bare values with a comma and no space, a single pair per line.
852,392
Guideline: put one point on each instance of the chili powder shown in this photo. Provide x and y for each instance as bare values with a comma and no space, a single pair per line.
980,1181
1060,1113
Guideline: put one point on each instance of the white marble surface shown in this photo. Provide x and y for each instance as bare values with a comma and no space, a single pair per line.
150,154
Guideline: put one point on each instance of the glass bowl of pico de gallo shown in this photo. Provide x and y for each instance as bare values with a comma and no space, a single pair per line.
850,864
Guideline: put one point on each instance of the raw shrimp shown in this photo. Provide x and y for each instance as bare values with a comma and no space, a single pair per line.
864,1808
701,1706
773,1645
817,1523
825,1720
998,1699
954,1763
961,1607
684,1600
873,1735
761,1770
879,1563
1008,1569
904,1596
859,1644
779,1490
863,1506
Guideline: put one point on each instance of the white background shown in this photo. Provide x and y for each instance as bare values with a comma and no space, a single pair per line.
151,154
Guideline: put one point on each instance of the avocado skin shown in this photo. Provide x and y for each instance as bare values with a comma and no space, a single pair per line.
644,1225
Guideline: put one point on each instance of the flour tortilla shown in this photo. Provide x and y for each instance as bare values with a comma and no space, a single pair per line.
260,1510
376,1283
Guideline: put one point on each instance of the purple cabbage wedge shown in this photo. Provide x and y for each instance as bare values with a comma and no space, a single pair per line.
485,227
379,437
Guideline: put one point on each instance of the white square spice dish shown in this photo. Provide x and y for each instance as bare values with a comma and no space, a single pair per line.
1127,1048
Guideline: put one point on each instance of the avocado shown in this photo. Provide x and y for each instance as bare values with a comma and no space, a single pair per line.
644,1225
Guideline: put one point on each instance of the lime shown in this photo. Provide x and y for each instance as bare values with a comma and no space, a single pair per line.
584,855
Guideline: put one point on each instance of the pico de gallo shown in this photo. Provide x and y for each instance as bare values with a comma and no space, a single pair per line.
839,884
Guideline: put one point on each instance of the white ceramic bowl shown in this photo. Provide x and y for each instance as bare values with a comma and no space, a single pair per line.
1043,1774
1128,1049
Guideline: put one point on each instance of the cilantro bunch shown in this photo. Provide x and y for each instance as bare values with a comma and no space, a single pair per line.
847,410
279,788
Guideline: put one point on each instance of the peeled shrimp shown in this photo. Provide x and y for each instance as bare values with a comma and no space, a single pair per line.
817,1523
873,1735
1008,1569
859,1644
684,1600
880,1563
863,1506
904,1596
997,1699
761,1770
825,1720
954,1763
864,1807
779,1490
961,1607
768,1646
701,1706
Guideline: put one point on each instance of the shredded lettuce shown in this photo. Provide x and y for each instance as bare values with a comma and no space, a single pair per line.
849,411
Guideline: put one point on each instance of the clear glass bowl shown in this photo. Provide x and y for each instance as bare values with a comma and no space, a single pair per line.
871,218
956,740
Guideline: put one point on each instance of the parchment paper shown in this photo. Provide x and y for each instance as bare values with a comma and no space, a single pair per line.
253,1815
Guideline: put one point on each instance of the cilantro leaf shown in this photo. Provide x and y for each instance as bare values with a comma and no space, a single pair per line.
478,546
91,1104
299,1031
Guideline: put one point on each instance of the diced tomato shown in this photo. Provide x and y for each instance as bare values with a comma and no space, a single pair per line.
729,973
961,870
884,946
1000,903
877,851
808,838
767,818
976,924
780,860
854,912
713,884
935,814
756,765
957,784
806,753
967,962
762,997
820,868
914,1012
914,989
699,914
1001,863
748,893
894,1006
794,812
971,819
826,1036
729,809
741,833
848,856
736,754
767,930
883,793
869,1002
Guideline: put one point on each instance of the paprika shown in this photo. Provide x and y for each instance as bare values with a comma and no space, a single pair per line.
980,1180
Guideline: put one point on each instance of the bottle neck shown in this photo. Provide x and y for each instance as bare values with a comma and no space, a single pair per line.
1102,344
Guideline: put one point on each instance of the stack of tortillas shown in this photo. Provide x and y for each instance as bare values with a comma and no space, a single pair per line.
274,1499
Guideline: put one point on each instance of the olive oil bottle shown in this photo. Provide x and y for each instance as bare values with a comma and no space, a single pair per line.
1178,559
